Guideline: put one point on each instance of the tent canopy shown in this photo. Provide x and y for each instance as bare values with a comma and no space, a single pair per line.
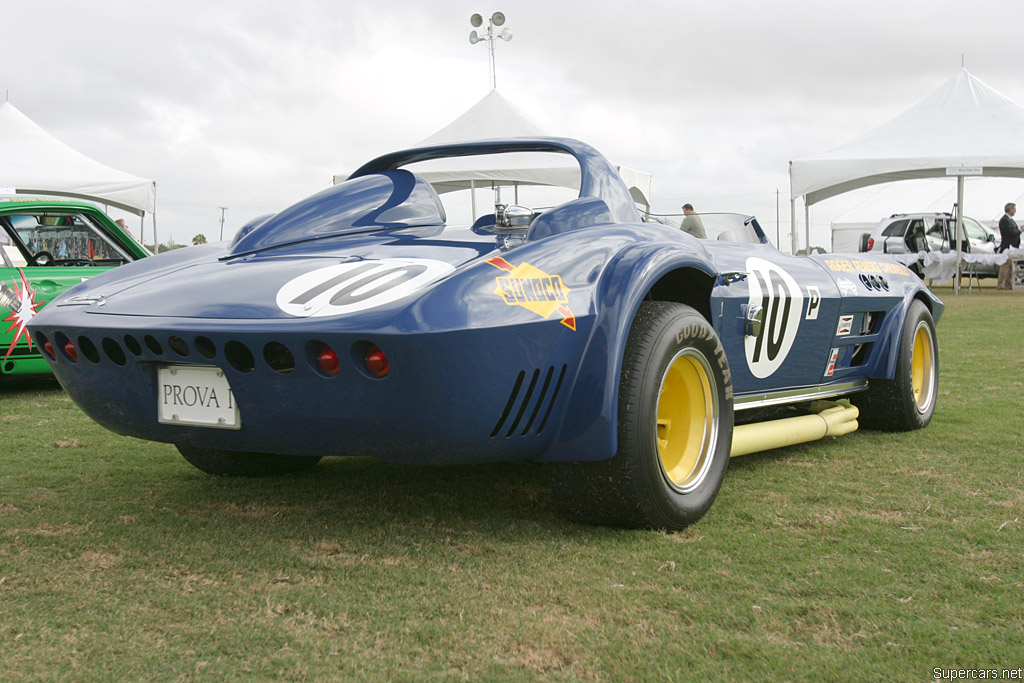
33,161
496,117
964,123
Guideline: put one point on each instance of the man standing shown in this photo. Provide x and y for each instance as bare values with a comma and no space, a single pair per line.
1010,234
692,223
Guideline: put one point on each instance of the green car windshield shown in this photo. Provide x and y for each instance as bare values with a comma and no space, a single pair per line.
66,236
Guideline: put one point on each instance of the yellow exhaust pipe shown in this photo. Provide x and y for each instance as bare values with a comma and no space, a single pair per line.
829,419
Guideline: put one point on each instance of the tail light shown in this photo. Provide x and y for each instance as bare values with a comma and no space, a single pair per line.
48,347
328,361
71,351
871,243
376,362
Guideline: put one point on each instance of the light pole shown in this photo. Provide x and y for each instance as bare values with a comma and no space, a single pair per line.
222,210
497,19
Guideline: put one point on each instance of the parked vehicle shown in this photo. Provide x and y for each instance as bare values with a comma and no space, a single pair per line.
631,358
903,233
47,246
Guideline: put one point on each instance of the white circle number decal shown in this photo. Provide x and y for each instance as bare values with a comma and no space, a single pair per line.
357,286
781,303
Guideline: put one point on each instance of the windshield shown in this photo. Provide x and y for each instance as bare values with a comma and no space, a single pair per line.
65,235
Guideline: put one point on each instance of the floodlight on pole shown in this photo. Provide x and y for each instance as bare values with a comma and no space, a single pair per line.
496,19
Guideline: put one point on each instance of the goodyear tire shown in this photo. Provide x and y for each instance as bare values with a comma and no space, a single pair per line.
674,427
237,464
907,401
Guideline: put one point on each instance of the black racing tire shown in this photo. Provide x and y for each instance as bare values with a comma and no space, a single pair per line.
239,464
674,429
907,401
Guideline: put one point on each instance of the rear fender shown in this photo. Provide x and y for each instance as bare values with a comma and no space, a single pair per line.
590,424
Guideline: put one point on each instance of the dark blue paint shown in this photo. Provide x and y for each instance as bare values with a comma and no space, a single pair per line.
391,199
471,375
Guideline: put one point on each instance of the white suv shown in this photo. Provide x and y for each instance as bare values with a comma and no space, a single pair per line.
903,233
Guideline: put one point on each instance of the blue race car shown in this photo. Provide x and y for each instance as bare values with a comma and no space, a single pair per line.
630,357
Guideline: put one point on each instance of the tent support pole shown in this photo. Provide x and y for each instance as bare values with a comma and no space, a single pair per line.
807,228
792,225
958,228
156,242
472,200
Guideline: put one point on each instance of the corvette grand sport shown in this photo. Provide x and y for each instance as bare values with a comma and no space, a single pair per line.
629,357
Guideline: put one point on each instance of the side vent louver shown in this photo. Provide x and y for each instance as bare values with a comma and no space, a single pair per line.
532,394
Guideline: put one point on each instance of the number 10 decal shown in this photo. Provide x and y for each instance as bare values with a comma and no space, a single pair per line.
780,300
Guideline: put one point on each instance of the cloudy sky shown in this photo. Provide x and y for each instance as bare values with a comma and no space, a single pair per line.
253,105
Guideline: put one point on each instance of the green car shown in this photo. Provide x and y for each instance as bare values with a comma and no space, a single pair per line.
48,245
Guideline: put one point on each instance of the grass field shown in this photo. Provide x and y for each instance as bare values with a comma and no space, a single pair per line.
870,557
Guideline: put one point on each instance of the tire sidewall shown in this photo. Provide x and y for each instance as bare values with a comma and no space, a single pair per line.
918,315
678,328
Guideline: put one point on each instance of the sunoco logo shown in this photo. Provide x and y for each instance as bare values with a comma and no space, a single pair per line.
357,286
533,289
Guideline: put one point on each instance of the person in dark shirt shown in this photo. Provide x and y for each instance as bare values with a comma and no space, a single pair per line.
1010,239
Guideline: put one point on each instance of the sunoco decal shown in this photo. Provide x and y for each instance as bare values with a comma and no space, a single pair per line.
780,299
533,289
357,286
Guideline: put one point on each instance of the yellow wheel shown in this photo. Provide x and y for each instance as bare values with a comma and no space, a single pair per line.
923,368
687,420
674,428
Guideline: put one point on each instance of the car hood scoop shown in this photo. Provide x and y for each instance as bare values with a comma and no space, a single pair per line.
380,201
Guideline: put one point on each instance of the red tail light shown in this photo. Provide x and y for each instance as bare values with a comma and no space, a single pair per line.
48,347
376,362
328,361
871,243
72,352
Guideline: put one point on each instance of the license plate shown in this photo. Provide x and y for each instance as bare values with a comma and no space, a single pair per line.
196,395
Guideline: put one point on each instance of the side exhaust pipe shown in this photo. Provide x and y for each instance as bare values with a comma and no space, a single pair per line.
829,419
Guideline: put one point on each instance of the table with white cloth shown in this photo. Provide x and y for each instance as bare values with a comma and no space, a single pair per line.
940,267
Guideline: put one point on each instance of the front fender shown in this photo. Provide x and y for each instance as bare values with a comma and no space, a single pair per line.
590,428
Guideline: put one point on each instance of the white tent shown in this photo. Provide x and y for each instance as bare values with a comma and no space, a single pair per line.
33,161
496,117
963,128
